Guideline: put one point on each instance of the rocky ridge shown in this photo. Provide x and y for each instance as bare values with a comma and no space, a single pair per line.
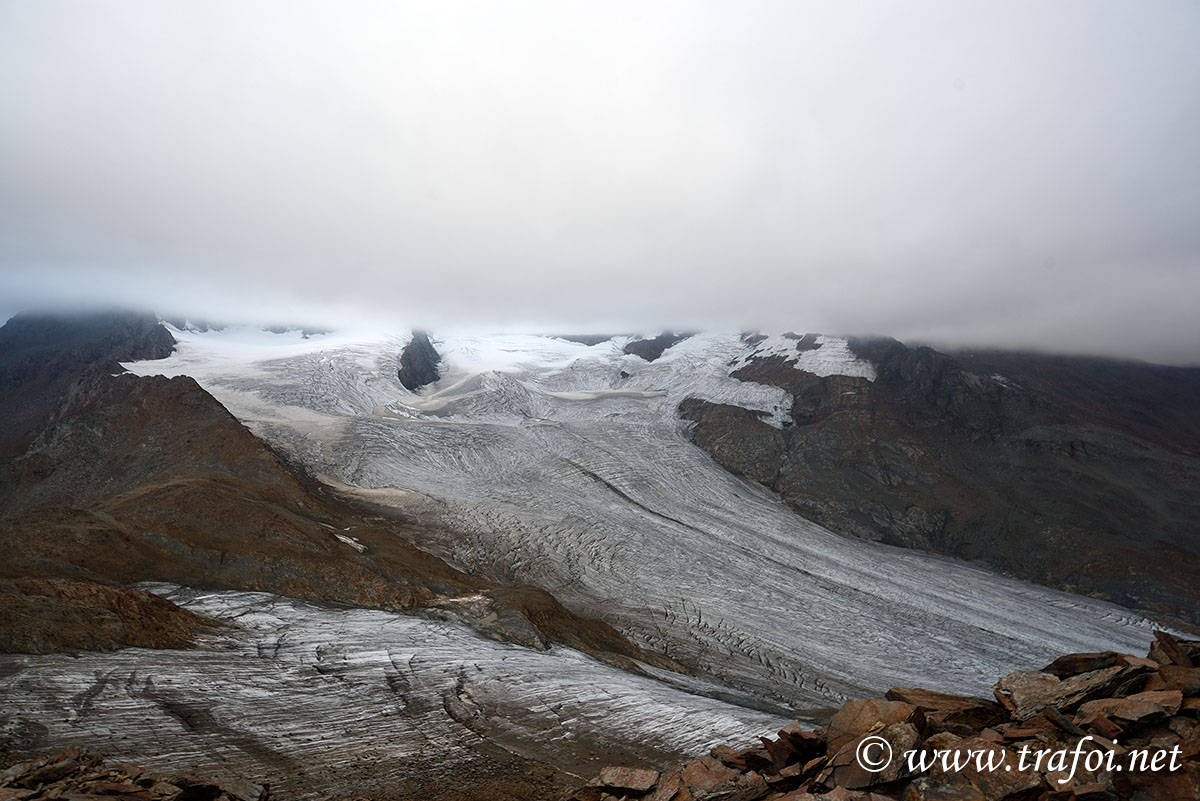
651,349
52,615
1080,474
1104,702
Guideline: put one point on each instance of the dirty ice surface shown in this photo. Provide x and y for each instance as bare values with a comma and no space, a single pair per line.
311,696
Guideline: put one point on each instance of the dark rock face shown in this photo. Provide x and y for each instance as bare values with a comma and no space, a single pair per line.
755,451
41,354
651,349
1083,474
1089,711
418,362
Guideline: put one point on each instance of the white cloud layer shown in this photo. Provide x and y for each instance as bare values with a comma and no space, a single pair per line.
1019,173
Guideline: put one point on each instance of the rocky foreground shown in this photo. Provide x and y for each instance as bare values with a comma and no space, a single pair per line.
76,775
1079,709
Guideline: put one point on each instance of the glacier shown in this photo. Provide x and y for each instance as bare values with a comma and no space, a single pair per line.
313,696
541,460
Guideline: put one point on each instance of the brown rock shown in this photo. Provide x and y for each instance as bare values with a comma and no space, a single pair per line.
836,794
1137,661
114,788
631,779
1100,791
856,718
780,752
1134,709
1059,721
671,788
745,787
1017,692
16,794
804,743
1025,694
947,710
673,793
1106,727
845,770
706,773
1014,733
729,757
1173,677
49,773
943,740
993,784
1180,785
1074,664
943,788
755,758
1172,650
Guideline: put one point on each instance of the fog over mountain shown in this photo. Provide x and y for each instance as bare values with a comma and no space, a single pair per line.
1020,174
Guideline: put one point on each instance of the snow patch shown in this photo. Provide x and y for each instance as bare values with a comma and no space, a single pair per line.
830,356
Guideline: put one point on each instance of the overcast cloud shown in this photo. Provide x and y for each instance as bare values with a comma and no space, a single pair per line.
1005,173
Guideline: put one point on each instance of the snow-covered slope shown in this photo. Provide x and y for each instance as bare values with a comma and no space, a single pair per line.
565,465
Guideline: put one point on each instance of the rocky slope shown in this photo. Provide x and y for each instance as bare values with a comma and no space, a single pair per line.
138,479
1082,474
51,615
42,354
1142,711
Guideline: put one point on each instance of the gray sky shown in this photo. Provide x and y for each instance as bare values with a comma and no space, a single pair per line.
1007,173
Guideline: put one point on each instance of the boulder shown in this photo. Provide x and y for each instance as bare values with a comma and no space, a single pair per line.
946,710
1132,709
856,718
803,742
846,770
1025,694
1074,664
632,780
1173,677
1169,651
706,773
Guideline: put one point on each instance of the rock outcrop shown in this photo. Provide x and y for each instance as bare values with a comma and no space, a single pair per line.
651,349
1144,711
418,362
42,354
1080,474
50,615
